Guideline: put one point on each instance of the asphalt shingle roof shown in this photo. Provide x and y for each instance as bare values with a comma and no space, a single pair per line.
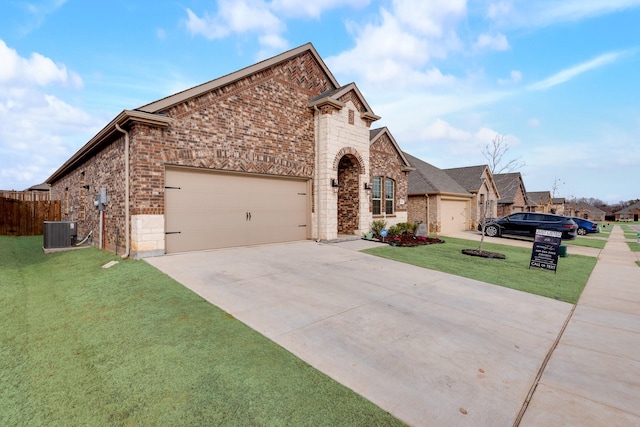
428,179
470,177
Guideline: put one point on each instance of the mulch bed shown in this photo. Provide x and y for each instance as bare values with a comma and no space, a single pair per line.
483,254
409,240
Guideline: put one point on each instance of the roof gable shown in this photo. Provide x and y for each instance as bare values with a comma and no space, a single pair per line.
508,185
470,177
337,98
376,134
185,95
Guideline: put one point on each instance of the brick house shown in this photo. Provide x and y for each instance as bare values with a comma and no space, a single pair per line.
513,195
630,213
436,199
478,181
540,201
587,211
277,151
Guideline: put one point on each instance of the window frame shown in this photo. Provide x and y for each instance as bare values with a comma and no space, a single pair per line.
383,196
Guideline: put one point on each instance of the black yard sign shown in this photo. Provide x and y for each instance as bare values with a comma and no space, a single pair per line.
545,250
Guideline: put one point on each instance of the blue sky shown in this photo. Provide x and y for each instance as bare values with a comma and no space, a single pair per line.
559,79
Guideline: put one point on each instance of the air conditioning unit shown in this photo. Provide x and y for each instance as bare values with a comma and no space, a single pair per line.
60,234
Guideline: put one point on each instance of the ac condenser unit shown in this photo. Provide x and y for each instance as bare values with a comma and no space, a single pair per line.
60,234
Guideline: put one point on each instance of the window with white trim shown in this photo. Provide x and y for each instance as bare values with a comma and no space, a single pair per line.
380,194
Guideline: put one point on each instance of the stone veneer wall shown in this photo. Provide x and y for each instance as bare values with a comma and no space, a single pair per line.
337,137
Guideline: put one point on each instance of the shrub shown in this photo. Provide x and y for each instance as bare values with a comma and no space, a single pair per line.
377,226
406,227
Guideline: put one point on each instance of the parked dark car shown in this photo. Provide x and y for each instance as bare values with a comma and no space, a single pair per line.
526,223
585,226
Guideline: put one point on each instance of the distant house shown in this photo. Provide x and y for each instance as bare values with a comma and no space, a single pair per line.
586,211
35,193
513,195
540,201
558,205
478,181
437,199
630,213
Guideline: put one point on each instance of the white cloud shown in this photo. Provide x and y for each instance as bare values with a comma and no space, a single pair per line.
492,42
315,8
542,13
533,122
36,70
569,73
395,50
235,17
38,131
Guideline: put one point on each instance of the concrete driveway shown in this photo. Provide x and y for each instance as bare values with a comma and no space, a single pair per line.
430,348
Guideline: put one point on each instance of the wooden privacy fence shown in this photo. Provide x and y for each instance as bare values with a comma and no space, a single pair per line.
26,218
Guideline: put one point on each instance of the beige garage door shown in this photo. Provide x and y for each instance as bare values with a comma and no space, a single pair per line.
454,216
208,210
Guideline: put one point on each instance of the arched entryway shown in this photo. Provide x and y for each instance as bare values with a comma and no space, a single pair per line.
348,195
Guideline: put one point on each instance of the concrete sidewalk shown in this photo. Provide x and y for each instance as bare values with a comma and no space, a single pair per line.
593,376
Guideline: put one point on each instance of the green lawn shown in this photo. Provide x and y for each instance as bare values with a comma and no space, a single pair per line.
589,242
566,284
86,346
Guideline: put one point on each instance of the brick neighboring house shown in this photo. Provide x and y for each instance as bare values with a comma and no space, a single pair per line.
630,213
513,195
540,201
277,151
587,211
478,181
437,199
558,205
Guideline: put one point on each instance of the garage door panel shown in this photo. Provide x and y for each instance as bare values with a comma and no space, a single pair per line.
206,210
454,216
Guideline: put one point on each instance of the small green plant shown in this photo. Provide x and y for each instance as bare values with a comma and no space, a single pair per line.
377,226
393,231
406,228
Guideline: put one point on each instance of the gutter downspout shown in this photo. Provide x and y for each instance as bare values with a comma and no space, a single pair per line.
126,191
317,171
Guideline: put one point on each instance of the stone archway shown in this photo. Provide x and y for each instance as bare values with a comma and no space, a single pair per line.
348,195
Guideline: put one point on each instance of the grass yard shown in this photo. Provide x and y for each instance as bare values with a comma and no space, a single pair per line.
589,242
82,345
565,285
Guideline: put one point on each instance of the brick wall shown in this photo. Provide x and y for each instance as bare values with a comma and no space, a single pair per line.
105,169
348,196
385,162
260,124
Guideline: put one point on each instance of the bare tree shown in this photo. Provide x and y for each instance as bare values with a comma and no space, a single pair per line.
555,186
495,154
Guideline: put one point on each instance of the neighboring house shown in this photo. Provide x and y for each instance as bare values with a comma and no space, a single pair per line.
513,195
437,199
35,193
558,205
277,151
540,201
630,213
478,181
587,211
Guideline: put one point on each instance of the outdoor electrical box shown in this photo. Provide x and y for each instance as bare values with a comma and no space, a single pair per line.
60,234
101,199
